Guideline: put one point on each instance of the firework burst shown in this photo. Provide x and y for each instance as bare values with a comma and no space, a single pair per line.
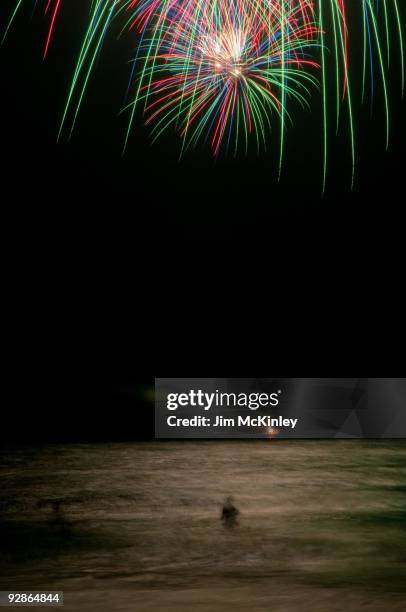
226,71
222,68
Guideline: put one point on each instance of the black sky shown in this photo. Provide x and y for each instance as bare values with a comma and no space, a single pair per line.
123,263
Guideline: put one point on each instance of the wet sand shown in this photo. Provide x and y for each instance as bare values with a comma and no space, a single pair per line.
137,526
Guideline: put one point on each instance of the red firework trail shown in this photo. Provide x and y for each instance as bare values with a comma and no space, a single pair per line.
55,10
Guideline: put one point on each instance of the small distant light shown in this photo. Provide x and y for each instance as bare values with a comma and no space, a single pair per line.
272,432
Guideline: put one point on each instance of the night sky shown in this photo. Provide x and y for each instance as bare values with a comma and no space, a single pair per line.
151,196
88,229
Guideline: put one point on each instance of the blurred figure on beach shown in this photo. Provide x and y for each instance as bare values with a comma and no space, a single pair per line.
230,513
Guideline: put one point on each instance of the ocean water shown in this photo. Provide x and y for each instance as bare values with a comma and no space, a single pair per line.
136,526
